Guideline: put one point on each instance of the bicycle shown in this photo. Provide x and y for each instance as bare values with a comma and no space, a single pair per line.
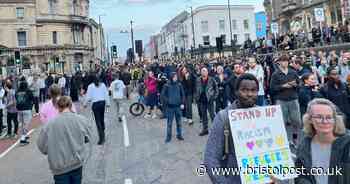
137,108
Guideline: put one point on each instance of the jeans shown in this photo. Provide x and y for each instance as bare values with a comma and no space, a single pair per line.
36,104
24,117
71,177
261,100
188,107
171,113
291,114
42,95
203,108
12,117
98,109
117,103
219,104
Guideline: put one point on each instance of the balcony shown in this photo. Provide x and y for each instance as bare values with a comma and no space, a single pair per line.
288,6
53,18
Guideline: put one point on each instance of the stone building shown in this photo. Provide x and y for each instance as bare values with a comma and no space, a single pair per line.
292,15
51,35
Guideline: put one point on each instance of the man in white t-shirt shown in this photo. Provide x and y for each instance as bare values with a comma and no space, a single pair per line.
62,83
258,71
118,90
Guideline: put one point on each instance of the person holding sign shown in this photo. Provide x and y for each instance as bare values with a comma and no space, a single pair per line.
220,151
326,146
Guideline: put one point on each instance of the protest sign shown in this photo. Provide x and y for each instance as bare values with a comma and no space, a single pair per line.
261,144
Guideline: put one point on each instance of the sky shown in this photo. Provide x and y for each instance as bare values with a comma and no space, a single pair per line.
148,16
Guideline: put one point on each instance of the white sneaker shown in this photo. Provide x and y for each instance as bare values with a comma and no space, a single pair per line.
154,116
147,116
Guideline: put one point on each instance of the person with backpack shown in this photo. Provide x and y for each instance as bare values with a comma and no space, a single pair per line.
24,105
173,97
11,110
220,150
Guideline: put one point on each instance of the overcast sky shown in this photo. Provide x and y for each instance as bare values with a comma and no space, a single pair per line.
148,16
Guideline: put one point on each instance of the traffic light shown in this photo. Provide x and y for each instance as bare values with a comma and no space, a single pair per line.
114,51
18,57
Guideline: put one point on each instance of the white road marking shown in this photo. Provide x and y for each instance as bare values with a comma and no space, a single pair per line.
128,181
15,144
126,133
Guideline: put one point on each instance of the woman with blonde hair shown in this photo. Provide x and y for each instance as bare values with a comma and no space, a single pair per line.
325,146
49,110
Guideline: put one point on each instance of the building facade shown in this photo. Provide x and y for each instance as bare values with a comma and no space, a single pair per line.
181,34
295,15
213,21
51,35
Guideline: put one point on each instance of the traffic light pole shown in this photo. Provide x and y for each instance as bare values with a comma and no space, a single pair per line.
132,42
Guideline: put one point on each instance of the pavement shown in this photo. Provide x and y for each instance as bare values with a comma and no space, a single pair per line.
134,153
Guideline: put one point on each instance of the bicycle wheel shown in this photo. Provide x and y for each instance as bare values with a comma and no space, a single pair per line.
136,109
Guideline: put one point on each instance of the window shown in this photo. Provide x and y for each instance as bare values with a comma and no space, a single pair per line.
54,37
204,26
222,25
223,38
206,40
52,5
246,24
247,36
20,12
235,37
22,38
234,24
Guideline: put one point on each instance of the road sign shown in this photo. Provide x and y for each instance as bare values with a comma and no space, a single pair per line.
274,28
319,14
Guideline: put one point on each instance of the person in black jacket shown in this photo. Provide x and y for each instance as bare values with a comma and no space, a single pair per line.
24,104
188,81
284,87
337,92
173,97
308,91
74,91
222,82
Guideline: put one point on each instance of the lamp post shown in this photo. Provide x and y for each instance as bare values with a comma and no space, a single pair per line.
229,15
193,34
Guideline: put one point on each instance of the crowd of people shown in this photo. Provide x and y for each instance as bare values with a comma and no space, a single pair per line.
311,88
327,35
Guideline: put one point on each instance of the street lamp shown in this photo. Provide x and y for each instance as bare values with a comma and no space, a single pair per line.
132,39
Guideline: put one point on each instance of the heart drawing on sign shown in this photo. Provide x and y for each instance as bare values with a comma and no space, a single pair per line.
259,143
250,145
269,142
280,140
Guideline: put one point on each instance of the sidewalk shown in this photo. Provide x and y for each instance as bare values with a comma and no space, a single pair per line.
7,143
